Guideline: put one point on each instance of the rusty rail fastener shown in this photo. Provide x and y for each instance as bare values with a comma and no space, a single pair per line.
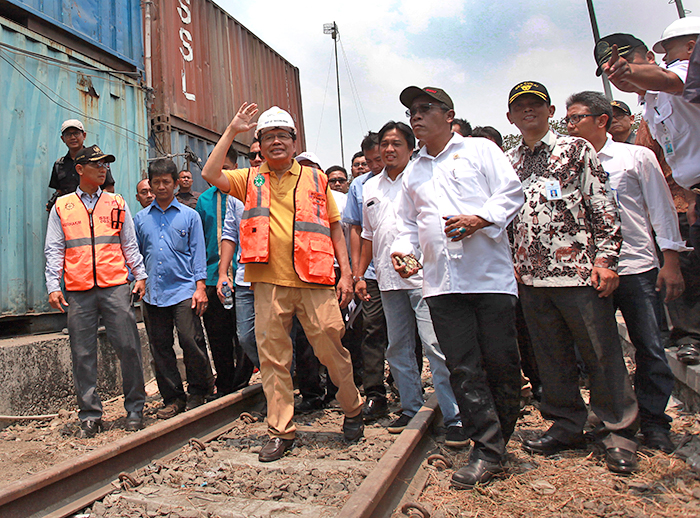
440,462
197,444
127,481
247,418
414,510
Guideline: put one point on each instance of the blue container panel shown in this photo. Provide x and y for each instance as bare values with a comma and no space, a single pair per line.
114,26
37,96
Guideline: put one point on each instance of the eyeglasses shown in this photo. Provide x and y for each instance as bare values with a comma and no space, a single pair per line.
255,155
578,117
271,137
337,180
618,116
423,108
357,165
98,165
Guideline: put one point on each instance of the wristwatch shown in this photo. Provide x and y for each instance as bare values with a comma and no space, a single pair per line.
357,279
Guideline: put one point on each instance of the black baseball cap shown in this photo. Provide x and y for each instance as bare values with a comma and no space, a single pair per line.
92,154
626,43
622,106
410,93
529,87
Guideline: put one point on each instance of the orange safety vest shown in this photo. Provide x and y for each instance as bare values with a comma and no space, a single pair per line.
313,248
93,247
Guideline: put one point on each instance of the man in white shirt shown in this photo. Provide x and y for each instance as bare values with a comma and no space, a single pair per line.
631,67
401,298
456,201
644,201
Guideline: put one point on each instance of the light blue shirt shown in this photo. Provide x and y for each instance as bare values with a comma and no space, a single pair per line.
55,244
234,213
172,244
352,215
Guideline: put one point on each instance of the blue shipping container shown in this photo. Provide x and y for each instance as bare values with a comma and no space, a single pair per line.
114,26
42,85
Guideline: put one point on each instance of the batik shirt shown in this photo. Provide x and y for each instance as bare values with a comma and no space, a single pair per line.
556,242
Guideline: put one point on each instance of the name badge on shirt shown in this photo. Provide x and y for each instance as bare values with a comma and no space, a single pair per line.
668,144
552,190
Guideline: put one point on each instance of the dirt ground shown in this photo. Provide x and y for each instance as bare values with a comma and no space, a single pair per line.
570,484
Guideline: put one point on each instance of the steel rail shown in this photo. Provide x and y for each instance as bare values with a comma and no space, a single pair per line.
382,490
74,484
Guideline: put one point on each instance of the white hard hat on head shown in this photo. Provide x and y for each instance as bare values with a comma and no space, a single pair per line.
687,26
275,117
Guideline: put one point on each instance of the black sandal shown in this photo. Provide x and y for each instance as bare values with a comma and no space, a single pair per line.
689,354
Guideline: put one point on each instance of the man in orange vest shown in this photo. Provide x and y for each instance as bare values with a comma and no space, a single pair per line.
289,214
90,239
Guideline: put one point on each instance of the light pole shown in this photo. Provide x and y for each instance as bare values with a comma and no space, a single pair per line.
679,8
332,29
596,37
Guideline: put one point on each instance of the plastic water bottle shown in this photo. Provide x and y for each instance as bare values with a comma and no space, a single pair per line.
454,248
228,296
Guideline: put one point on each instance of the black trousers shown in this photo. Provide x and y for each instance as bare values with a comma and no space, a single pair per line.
233,367
374,342
558,318
159,326
477,334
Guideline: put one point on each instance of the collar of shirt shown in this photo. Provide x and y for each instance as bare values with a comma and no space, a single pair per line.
423,153
175,203
88,199
607,148
294,170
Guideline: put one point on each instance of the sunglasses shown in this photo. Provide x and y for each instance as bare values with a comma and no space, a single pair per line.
253,155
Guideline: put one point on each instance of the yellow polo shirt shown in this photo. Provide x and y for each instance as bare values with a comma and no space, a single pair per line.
280,267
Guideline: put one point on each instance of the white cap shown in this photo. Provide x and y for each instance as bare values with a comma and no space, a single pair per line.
687,26
72,123
308,155
275,117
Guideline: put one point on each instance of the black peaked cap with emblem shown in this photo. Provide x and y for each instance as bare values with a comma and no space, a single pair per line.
529,87
92,154
626,43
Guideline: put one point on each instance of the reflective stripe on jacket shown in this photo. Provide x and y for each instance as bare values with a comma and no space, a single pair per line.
313,247
93,246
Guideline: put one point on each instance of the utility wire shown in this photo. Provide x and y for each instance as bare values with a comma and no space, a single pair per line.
24,73
325,94
353,89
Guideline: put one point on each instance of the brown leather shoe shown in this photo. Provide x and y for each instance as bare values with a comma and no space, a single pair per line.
171,410
274,449
478,471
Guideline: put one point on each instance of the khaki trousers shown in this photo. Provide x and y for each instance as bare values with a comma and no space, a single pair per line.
319,314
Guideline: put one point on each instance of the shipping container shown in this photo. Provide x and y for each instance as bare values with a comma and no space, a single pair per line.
205,64
101,29
44,83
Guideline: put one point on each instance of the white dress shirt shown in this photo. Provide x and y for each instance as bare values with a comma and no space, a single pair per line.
674,123
469,176
381,196
644,201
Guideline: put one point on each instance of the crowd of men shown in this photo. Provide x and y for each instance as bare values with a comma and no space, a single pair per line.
438,243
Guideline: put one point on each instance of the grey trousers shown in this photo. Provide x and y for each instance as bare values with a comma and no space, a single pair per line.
557,318
84,310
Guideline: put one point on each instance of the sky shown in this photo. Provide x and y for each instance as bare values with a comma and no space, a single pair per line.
475,50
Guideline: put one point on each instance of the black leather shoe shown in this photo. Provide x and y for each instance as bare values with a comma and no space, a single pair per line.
353,427
688,354
548,445
478,471
658,440
90,427
375,407
134,422
274,449
621,461
306,406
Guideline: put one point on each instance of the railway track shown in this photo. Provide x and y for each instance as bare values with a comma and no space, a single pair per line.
204,463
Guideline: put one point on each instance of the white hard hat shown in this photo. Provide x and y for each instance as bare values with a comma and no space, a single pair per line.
308,155
275,117
687,26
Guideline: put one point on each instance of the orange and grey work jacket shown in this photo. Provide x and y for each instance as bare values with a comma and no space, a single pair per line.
93,247
313,247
